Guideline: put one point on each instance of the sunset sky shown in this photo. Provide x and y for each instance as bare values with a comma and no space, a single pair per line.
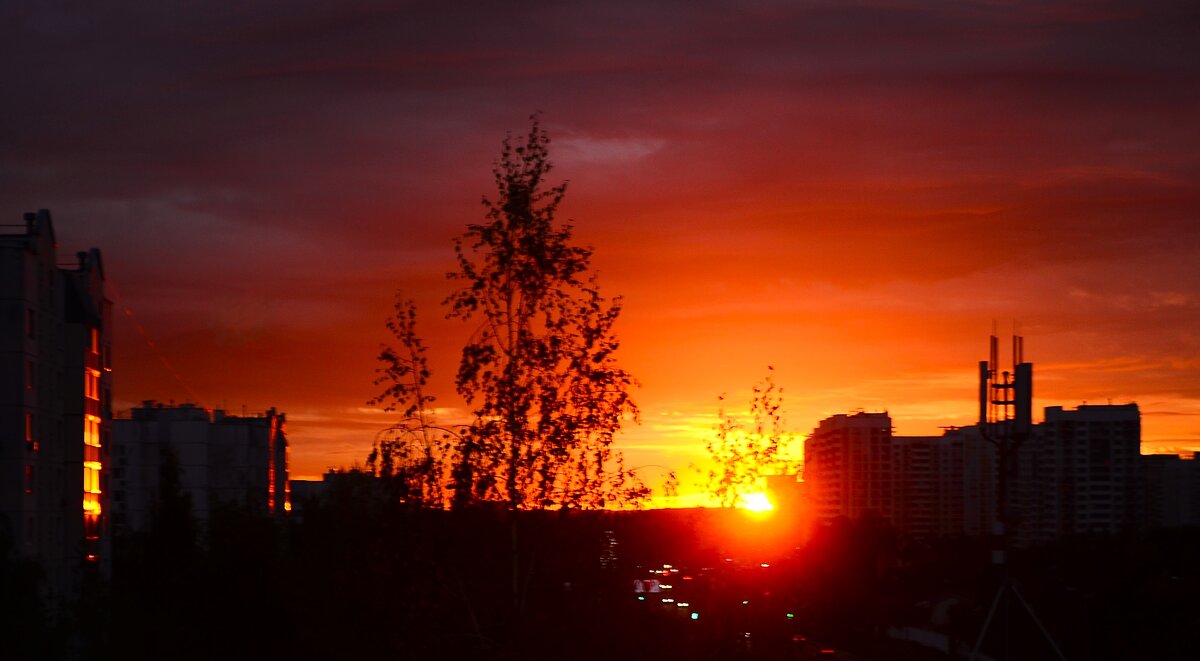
849,191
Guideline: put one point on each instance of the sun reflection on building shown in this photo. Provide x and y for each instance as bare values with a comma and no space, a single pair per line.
57,338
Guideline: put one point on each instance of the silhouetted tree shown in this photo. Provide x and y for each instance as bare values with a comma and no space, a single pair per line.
540,371
545,393
159,574
172,539
741,455
26,628
415,455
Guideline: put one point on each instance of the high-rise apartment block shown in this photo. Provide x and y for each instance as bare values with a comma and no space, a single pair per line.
923,485
220,459
1078,471
848,466
55,404
1170,490
944,484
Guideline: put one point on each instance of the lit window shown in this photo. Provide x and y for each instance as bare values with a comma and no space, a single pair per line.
91,528
91,480
95,341
91,430
30,435
91,383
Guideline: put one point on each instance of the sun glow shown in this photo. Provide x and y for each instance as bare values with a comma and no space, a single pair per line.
757,502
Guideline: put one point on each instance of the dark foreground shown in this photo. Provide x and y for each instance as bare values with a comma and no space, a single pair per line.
355,577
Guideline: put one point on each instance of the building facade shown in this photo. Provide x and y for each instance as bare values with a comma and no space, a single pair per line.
55,405
977,475
915,463
1170,490
924,486
848,467
222,460
1079,473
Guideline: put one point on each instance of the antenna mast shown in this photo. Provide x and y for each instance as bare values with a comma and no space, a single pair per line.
1006,422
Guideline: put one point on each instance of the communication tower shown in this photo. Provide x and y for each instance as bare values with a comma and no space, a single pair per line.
1006,422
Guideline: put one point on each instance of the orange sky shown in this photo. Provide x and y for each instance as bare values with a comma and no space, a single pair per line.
851,192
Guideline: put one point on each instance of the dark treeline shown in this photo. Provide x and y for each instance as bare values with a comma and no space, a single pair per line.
26,628
362,573
359,573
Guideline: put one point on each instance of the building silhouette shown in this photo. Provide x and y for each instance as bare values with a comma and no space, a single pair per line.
1170,490
923,485
222,460
55,405
848,466
1078,471
944,485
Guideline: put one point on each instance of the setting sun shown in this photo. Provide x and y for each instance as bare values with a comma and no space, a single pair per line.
757,502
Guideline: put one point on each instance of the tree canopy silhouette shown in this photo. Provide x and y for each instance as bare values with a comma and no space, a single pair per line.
539,371
742,455
414,455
